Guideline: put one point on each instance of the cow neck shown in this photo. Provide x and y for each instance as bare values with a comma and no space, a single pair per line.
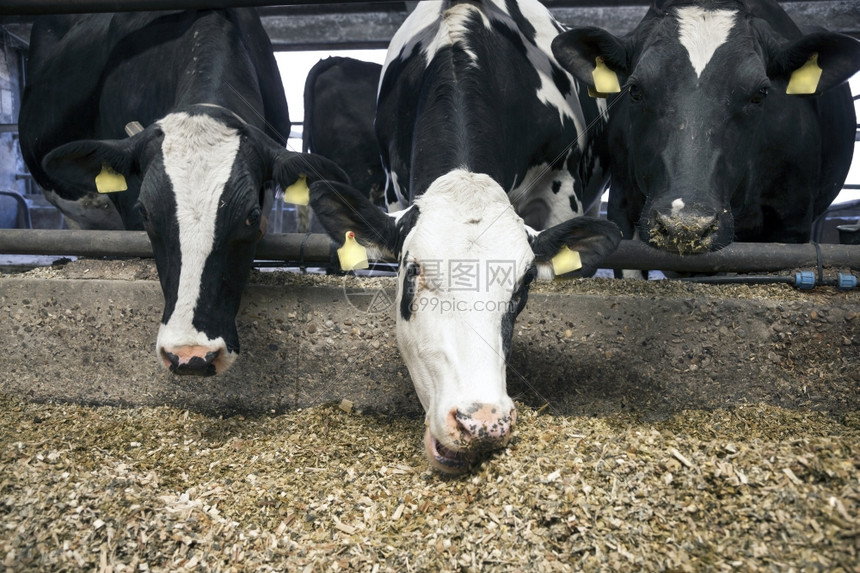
221,107
132,128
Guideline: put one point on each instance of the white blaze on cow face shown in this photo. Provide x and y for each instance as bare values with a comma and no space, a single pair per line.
199,153
461,265
701,32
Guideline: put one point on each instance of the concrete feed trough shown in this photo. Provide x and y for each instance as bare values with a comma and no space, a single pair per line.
85,333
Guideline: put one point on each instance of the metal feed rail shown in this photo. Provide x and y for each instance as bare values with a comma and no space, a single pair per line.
318,248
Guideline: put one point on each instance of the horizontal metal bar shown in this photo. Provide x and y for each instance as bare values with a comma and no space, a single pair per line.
83,6
317,248
737,257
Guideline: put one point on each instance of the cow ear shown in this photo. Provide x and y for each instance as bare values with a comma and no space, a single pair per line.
579,49
836,55
288,166
90,166
285,167
340,209
593,239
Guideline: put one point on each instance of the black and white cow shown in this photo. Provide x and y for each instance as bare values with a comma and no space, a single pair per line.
479,128
340,103
707,147
206,91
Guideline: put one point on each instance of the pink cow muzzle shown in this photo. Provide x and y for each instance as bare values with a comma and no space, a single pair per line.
471,434
195,360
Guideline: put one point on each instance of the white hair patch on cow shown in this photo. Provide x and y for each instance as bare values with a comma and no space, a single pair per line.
472,250
453,31
199,153
701,32
434,26
543,198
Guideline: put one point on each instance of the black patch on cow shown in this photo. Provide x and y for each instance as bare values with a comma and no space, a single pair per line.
561,80
162,227
526,28
410,284
556,187
404,226
512,36
515,307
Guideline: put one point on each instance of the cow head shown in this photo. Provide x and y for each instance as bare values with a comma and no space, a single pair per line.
199,179
697,81
465,264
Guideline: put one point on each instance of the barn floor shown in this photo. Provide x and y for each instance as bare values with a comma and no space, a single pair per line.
662,426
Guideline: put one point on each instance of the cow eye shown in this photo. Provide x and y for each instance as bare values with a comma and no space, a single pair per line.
143,213
759,96
253,218
636,93
412,270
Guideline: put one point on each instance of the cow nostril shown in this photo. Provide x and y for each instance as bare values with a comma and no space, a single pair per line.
458,429
170,360
467,427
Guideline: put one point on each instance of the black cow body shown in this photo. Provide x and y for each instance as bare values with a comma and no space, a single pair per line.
479,130
206,91
707,147
514,114
340,104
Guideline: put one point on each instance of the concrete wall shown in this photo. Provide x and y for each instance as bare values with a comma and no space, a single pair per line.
586,348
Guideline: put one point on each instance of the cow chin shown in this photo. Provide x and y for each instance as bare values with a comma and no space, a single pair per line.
444,459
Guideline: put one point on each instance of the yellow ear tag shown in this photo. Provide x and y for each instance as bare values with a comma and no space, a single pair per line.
804,80
352,256
566,261
298,193
109,181
605,80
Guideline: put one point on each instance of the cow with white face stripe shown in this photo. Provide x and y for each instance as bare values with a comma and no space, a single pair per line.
479,129
707,146
204,91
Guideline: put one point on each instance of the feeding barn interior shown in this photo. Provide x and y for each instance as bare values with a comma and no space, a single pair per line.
707,421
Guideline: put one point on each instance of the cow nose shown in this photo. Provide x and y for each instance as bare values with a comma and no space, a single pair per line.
684,232
482,426
191,360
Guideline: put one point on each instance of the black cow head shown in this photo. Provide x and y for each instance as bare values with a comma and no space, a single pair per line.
198,180
703,120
